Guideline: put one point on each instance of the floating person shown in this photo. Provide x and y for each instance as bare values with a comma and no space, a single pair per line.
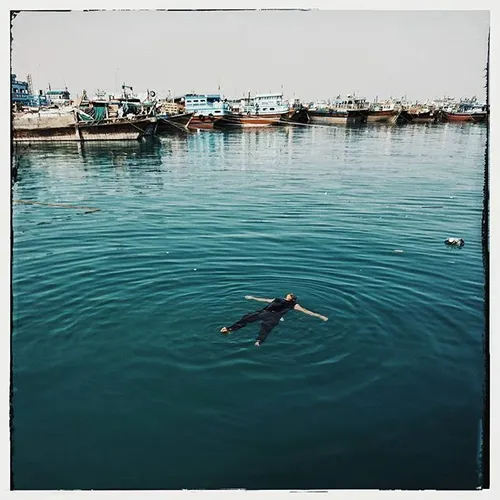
270,316
458,242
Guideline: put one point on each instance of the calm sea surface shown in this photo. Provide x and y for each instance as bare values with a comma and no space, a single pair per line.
121,379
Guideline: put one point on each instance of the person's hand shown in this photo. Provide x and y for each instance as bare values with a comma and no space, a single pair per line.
257,344
324,318
249,297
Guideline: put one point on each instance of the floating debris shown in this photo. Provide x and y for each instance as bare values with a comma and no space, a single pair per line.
457,242
59,205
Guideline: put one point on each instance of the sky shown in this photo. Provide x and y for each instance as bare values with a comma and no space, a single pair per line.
315,54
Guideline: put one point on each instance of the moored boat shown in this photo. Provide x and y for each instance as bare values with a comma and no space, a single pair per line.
337,116
262,110
122,118
473,115
379,115
238,120
41,126
116,129
205,109
467,110
455,116
380,112
423,116
173,123
296,115
267,105
350,110
402,117
75,125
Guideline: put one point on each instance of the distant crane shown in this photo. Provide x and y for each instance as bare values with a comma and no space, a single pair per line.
125,95
30,84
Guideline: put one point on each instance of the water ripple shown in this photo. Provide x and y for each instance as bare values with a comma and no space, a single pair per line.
117,313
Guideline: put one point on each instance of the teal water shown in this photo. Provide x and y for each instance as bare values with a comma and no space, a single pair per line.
120,377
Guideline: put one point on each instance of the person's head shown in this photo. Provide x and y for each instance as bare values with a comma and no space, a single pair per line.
291,297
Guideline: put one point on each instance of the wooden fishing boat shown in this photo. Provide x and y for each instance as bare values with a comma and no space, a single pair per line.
173,123
205,108
379,115
380,112
349,110
116,129
44,125
296,115
262,110
336,116
238,120
467,110
465,116
402,117
55,126
428,116
203,122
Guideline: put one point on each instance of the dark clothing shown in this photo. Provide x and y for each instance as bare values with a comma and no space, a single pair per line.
269,316
280,306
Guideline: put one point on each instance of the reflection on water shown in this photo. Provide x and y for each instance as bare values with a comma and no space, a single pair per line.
284,144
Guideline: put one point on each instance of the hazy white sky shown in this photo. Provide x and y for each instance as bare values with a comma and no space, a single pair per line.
313,54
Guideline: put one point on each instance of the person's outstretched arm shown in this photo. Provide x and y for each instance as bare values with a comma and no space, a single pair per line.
306,311
251,297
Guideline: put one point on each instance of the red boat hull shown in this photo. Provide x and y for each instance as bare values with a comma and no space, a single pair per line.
465,117
202,122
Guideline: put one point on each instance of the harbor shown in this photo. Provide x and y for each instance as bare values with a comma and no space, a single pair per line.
53,116
181,179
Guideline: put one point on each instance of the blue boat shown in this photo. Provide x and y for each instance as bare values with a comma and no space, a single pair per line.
207,108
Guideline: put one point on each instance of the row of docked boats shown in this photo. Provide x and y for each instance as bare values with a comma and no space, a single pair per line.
212,111
357,111
127,117
124,118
